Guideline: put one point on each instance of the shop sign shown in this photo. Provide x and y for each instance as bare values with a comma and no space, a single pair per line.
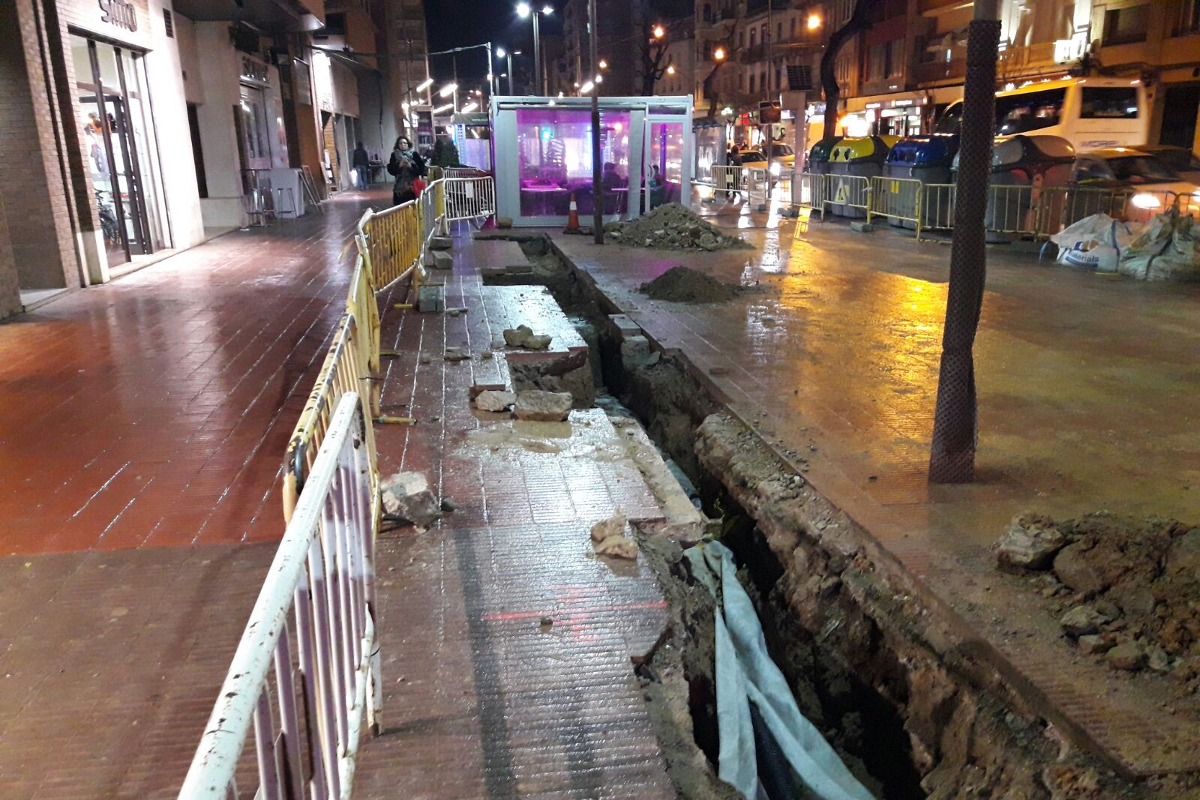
874,105
254,71
119,13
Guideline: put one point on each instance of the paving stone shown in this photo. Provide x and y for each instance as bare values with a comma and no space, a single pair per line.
538,406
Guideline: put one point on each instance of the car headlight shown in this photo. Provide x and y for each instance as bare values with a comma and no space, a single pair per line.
1145,201
776,168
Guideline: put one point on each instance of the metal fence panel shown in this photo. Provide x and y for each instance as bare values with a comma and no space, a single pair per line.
323,577
895,198
470,198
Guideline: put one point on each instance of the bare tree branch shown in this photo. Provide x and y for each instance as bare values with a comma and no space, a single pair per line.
859,21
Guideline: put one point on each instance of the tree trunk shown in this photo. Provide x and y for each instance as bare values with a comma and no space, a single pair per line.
955,427
859,21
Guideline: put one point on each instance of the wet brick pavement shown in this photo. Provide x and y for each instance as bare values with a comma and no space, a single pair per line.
481,698
1089,397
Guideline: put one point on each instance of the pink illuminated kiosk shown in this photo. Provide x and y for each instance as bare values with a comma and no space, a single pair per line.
543,155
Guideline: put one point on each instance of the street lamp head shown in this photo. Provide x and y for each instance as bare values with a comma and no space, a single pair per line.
814,21
659,31
670,69
523,10
500,52
547,10
603,64
599,79
719,54
447,90
587,87
425,84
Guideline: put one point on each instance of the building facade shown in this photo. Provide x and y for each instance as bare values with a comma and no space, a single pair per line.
132,130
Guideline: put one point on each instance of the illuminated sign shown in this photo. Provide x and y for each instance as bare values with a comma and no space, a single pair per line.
1070,49
119,13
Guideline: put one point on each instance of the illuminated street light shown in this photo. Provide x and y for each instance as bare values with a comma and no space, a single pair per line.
425,84
443,109
719,54
599,79
587,87
500,52
447,90
547,10
471,106
603,64
523,10
659,31
670,69
814,21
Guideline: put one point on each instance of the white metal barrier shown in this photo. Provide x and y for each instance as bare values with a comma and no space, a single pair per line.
470,198
306,741
726,178
758,186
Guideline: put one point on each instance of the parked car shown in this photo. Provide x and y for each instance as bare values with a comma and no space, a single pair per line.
1153,183
1181,160
782,158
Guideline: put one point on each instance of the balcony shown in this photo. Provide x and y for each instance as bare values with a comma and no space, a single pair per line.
940,71
270,16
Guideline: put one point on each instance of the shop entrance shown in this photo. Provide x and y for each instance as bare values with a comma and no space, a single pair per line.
111,90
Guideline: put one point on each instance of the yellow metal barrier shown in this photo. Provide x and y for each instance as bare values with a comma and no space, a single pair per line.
346,369
392,240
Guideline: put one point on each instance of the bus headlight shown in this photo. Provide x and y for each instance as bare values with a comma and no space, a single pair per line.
776,168
1145,201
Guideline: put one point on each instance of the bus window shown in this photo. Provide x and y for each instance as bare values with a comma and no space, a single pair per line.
1109,102
1030,111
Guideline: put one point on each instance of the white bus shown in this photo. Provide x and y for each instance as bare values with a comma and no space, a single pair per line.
1090,113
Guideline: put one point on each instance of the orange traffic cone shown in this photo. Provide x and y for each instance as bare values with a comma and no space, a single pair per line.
573,217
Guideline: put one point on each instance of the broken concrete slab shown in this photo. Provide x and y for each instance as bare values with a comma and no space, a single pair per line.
431,298
441,243
607,528
625,325
518,336
617,547
538,406
1030,543
479,388
554,372
407,498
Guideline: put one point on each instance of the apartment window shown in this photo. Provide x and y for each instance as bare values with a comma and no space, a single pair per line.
877,62
793,28
895,52
753,35
1126,25
762,80
169,23
751,84
708,15
765,33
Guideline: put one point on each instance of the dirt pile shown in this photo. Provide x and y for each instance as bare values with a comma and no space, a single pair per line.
1126,590
674,227
682,285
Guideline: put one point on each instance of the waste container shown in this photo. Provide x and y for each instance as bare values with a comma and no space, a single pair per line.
858,157
927,159
813,191
1022,168
818,157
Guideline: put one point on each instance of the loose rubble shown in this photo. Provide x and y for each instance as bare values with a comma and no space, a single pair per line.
407,498
1125,590
523,336
680,284
495,401
674,227
538,406
609,539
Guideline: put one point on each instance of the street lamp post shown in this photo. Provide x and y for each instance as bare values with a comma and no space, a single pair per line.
525,10
597,186
502,53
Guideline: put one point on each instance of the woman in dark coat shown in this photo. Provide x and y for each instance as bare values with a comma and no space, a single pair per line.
407,165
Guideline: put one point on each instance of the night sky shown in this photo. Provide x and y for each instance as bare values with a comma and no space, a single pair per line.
468,22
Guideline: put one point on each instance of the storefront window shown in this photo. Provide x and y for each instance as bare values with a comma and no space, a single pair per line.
110,93
555,157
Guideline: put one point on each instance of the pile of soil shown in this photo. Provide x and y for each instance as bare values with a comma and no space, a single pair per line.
682,285
674,227
1127,590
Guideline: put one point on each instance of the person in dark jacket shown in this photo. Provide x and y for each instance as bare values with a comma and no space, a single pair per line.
362,165
734,159
406,164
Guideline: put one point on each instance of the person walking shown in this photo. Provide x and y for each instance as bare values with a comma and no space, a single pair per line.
406,164
362,165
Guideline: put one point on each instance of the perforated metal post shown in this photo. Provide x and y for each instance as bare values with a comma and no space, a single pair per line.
955,428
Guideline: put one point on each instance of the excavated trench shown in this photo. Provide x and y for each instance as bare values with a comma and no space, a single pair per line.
897,689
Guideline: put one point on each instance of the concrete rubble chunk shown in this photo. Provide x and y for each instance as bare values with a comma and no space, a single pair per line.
539,341
495,401
1030,543
1082,620
1094,644
518,336
407,498
1130,657
538,406
456,354
617,547
607,528
1074,570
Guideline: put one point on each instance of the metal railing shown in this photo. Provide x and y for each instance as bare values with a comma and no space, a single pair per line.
1013,210
390,241
469,198
306,723
727,178
758,186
